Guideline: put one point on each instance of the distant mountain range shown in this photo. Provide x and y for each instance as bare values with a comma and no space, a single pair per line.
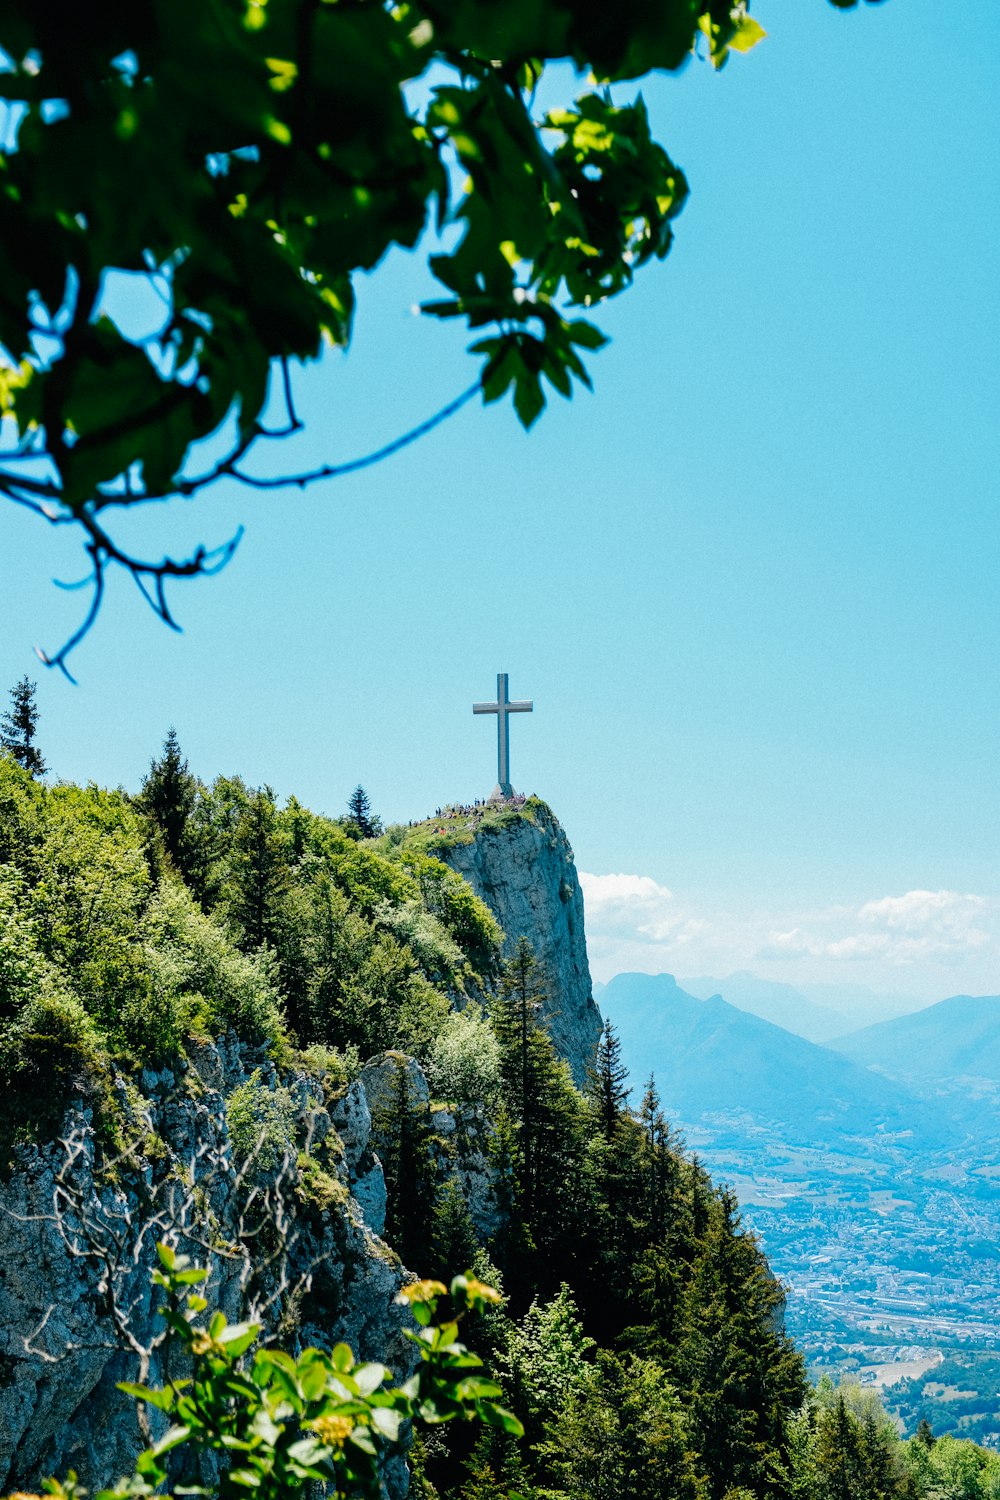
778,1003
818,1012
711,1058
955,1041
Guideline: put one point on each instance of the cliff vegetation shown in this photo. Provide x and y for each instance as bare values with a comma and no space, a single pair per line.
370,1063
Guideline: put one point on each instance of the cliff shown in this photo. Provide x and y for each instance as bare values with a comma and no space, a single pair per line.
519,861
167,1075
77,1245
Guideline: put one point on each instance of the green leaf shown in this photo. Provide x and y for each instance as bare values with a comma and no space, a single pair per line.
387,1422
172,1438
747,34
529,402
191,1277
369,1377
237,1337
585,334
500,1418
163,1400
475,1386
313,1380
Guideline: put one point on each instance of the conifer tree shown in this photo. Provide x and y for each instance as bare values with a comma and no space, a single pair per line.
452,1236
515,1022
360,817
660,1158
18,727
549,1119
608,1083
169,795
838,1453
259,875
402,1132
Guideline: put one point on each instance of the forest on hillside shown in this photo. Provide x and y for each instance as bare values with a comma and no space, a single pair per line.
638,1339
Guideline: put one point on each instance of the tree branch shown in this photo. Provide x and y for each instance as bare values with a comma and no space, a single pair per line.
44,498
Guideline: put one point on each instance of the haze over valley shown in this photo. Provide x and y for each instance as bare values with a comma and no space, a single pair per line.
869,1167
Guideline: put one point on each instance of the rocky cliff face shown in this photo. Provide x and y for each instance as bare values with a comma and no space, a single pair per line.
70,1230
522,866
60,1352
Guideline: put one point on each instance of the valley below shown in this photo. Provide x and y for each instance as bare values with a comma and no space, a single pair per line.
892,1264
876,1199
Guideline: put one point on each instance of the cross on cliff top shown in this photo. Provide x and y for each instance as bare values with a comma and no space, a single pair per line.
503,707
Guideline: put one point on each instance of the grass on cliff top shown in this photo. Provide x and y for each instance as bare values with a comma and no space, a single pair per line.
458,824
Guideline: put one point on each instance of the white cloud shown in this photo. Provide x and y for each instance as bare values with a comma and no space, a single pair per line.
634,922
636,904
919,926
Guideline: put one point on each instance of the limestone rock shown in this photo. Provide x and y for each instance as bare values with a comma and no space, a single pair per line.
60,1358
523,868
467,1133
352,1121
381,1084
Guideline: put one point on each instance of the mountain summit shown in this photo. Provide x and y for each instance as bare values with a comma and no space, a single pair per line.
711,1058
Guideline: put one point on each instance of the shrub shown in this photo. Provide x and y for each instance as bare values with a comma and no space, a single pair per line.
463,1063
190,956
50,1052
261,1122
435,950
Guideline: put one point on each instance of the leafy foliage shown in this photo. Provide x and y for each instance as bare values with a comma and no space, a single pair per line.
246,160
260,1121
283,1425
463,1064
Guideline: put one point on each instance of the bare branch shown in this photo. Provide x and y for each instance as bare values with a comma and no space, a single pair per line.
44,498
337,471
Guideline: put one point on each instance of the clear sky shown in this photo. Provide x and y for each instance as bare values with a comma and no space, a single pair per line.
750,583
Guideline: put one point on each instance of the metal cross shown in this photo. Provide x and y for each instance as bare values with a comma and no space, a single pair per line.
502,707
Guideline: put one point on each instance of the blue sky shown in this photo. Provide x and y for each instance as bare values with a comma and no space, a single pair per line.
749,583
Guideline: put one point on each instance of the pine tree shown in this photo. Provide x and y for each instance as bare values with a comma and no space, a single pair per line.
452,1245
360,817
402,1131
925,1433
608,1083
838,1453
18,726
169,796
515,1022
260,874
660,1157
549,1136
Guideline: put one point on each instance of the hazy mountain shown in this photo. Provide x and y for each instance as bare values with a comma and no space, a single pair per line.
862,1005
772,1001
710,1057
953,1040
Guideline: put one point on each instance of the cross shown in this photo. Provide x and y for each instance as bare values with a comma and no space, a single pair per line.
502,707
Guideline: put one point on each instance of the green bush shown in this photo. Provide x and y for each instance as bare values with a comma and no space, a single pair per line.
49,1053
261,1123
435,950
463,1061
190,956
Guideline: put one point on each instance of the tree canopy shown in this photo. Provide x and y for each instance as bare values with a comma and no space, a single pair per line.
246,159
